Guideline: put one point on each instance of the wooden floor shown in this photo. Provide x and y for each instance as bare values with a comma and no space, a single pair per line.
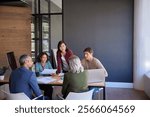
125,94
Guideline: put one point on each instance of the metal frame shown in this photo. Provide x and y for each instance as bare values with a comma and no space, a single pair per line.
37,16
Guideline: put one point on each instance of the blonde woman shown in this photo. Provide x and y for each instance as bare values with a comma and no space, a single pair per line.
74,80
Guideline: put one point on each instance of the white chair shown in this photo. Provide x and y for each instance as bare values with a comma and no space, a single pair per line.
19,96
78,96
4,89
15,96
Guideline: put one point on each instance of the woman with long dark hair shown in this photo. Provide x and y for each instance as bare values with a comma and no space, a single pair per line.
42,62
63,54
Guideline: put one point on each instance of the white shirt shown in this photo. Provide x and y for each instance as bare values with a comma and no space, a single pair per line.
65,64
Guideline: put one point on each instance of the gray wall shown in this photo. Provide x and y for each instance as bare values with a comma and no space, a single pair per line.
107,27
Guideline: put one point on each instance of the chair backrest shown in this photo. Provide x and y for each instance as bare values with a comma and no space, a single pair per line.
11,60
95,75
15,96
54,58
4,87
80,96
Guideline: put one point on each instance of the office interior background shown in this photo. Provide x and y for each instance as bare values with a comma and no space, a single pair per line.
117,30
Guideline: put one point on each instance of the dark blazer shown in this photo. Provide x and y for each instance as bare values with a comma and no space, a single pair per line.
24,80
74,82
69,53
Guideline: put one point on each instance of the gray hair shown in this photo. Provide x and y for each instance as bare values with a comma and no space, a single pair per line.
75,64
23,58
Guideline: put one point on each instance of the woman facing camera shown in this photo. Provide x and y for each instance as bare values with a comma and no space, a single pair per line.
75,80
42,63
63,55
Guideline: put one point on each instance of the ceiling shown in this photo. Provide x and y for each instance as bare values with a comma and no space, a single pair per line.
58,3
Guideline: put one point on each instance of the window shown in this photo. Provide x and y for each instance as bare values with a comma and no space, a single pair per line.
46,26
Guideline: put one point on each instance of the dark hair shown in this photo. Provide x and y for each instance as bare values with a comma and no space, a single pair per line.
22,59
88,49
59,44
40,55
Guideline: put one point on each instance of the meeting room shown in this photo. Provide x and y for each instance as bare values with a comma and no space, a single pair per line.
74,50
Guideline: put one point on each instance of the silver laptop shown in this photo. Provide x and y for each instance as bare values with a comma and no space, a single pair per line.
95,75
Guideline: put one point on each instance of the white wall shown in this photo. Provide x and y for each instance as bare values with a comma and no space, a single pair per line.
141,41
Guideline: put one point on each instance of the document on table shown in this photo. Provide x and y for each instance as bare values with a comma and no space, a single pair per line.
61,74
48,71
45,80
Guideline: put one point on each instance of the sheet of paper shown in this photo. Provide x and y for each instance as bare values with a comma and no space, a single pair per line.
61,74
45,80
48,71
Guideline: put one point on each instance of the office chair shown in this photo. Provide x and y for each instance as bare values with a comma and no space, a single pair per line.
11,60
15,96
78,96
19,96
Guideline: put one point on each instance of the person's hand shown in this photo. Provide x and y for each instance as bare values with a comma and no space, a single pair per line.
53,74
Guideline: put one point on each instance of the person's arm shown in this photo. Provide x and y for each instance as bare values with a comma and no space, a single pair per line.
37,67
58,62
65,85
100,66
34,85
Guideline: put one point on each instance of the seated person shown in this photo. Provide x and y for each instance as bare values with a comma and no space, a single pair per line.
42,63
90,62
74,80
23,79
63,54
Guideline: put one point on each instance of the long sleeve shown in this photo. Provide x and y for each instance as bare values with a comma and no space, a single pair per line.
38,67
100,66
34,85
49,66
65,85
59,62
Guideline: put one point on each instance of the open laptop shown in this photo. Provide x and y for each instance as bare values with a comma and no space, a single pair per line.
95,75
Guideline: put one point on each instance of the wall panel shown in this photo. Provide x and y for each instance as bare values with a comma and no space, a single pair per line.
15,31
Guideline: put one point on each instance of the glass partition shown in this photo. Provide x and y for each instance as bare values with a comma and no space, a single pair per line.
46,25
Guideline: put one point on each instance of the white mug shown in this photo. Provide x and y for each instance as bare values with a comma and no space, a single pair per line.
2,77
